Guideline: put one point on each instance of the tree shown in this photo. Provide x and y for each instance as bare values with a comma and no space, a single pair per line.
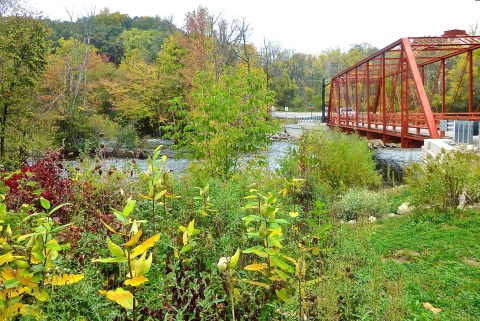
75,90
106,31
229,118
144,43
138,94
23,48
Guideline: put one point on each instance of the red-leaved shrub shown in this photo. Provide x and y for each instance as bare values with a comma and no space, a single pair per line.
43,179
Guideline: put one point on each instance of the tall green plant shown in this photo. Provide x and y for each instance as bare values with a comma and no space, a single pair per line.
157,176
131,257
271,262
226,266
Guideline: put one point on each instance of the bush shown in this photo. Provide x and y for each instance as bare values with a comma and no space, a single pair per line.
44,179
337,161
127,138
441,181
361,203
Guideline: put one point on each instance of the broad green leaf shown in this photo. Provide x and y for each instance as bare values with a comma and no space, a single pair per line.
185,249
251,218
136,280
45,203
11,283
128,208
256,267
38,256
234,260
145,246
283,295
24,237
114,248
191,227
122,297
257,251
119,216
53,245
270,251
282,275
275,261
254,234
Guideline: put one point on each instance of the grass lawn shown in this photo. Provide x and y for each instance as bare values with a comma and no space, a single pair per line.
437,258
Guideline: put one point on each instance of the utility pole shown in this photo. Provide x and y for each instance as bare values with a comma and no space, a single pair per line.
324,86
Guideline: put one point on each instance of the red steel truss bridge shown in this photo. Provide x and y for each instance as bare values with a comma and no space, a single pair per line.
402,92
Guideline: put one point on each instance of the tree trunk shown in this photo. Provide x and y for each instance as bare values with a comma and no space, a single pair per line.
3,127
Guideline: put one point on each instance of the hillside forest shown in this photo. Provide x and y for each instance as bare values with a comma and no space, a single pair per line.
65,83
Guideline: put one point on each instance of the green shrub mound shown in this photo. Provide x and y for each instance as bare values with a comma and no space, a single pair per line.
358,203
441,182
337,161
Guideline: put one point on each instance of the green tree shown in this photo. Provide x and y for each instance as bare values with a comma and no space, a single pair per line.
145,43
229,118
23,48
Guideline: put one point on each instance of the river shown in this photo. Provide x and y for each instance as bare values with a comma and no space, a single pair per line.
390,161
272,155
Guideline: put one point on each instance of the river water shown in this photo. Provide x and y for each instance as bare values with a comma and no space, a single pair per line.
390,161
271,156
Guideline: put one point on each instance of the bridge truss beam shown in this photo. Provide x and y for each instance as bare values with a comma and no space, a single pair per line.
400,93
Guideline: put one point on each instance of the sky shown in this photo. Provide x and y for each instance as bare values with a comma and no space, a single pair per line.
306,26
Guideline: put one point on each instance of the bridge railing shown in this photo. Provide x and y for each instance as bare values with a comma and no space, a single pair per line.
308,118
393,122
